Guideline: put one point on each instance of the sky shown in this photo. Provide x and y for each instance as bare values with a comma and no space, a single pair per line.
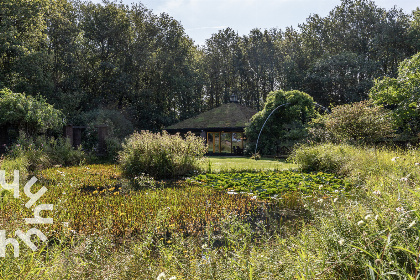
202,18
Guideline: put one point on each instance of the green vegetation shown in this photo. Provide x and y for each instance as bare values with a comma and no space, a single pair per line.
334,210
161,155
357,123
403,95
192,230
32,115
274,184
82,56
232,164
285,127
31,154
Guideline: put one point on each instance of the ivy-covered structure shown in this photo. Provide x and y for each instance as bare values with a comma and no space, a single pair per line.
222,127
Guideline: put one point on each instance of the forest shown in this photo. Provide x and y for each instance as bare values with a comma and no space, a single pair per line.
84,57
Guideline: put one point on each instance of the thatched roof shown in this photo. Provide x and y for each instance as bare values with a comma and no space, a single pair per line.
230,115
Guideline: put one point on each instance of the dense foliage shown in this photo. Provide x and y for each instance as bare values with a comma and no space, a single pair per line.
81,56
27,113
161,155
286,125
356,123
32,154
402,94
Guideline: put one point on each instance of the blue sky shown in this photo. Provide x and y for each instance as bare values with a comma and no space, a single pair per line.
202,18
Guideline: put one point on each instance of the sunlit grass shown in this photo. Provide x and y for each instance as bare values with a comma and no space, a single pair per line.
229,164
103,229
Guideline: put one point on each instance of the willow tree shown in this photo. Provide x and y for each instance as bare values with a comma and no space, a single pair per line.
285,115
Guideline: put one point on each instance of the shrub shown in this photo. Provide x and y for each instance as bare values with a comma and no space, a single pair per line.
359,122
33,115
37,153
402,95
161,155
285,127
327,157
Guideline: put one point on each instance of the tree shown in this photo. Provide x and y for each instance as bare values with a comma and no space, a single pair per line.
24,60
402,95
336,79
27,113
285,127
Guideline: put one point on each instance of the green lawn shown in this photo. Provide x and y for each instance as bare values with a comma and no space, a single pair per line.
227,164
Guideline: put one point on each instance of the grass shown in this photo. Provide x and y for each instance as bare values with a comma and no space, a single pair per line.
103,229
214,164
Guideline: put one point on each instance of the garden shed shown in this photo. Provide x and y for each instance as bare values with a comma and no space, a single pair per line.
222,127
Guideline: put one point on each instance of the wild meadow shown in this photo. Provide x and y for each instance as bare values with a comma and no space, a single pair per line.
353,215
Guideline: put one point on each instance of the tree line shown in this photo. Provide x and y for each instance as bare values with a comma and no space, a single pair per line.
82,56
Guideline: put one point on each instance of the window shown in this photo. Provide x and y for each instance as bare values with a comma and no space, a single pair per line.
225,142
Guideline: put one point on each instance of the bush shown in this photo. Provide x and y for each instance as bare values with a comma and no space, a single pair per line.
43,152
359,122
358,163
326,158
161,155
285,127
33,115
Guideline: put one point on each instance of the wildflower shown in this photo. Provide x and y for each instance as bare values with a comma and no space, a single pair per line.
400,209
395,158
404,179
95,192
412,224
361,222
335,199
111,189
254,197
341,241
161,276
367,216
377,192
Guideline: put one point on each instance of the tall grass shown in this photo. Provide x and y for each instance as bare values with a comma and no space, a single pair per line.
161,155
190,231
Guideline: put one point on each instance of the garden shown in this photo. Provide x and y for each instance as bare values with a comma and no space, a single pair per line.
362,220
328,187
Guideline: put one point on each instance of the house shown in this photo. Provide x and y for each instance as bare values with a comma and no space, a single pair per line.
222,127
